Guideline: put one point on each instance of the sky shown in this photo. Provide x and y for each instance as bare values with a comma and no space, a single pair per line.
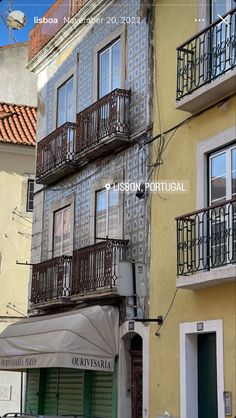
31,8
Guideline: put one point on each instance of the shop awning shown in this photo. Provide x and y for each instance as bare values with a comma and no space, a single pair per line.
85,339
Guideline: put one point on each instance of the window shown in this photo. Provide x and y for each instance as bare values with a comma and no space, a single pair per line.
107,213
109,68
65,110
62,231
219,7
222,178
30,196
222,175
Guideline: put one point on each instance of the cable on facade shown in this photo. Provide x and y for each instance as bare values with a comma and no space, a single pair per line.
168,311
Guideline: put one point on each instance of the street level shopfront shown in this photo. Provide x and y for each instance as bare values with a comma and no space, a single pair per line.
69,359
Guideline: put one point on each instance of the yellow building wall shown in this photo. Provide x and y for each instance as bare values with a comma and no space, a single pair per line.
174,25
15,230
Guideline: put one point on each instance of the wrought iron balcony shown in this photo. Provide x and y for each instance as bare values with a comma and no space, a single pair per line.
53,21
206,238
95,268
103,126
55,154
51,280
207,55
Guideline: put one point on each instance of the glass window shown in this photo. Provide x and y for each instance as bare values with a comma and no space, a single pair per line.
110,68
62,232
219,7
107,213
30,196
222,174
65,110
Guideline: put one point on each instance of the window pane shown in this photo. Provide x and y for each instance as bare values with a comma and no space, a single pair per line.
101,214
104,87
116,56
61,111
57,233
69,101
234,172
218,7
116,80
66,230
113,198
104,64
218,178
113,214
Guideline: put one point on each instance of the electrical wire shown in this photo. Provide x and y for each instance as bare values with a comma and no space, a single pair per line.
168,311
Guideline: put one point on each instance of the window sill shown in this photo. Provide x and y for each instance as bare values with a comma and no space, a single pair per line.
209,94
213,277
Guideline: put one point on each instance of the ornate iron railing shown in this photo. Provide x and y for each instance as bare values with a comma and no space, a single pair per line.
51,279
207,55
52,22
57,148
206,238
96,267
107,116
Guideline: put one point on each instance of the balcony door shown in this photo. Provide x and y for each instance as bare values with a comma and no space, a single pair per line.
109,68
65,113
62,246
222,188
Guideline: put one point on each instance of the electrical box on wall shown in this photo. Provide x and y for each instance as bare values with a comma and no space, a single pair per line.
141,279
125,278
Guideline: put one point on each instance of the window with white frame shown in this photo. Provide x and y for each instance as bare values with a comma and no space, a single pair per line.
222,175
30,196
62,231
107,213
222,188
65,108
109,68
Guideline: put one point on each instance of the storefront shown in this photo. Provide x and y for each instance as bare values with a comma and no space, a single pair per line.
69,359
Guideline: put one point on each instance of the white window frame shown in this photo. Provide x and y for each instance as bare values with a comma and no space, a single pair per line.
228,152
54,207
107,211
108,48
119,32
188,366
204,148
116,177
64,85
72,72
62,210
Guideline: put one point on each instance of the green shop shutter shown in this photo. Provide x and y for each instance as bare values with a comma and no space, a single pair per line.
32,391
70,391
102,396
49,385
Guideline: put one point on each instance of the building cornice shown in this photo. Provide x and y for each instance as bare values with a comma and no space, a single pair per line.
67,34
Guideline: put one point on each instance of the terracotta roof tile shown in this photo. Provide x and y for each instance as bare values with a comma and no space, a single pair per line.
17,124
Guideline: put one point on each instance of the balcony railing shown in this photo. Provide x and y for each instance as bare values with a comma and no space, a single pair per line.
51,280
206,239
96,267
108,116
53,21
207,55
56,150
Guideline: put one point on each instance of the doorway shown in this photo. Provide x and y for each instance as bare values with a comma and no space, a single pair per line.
136,350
